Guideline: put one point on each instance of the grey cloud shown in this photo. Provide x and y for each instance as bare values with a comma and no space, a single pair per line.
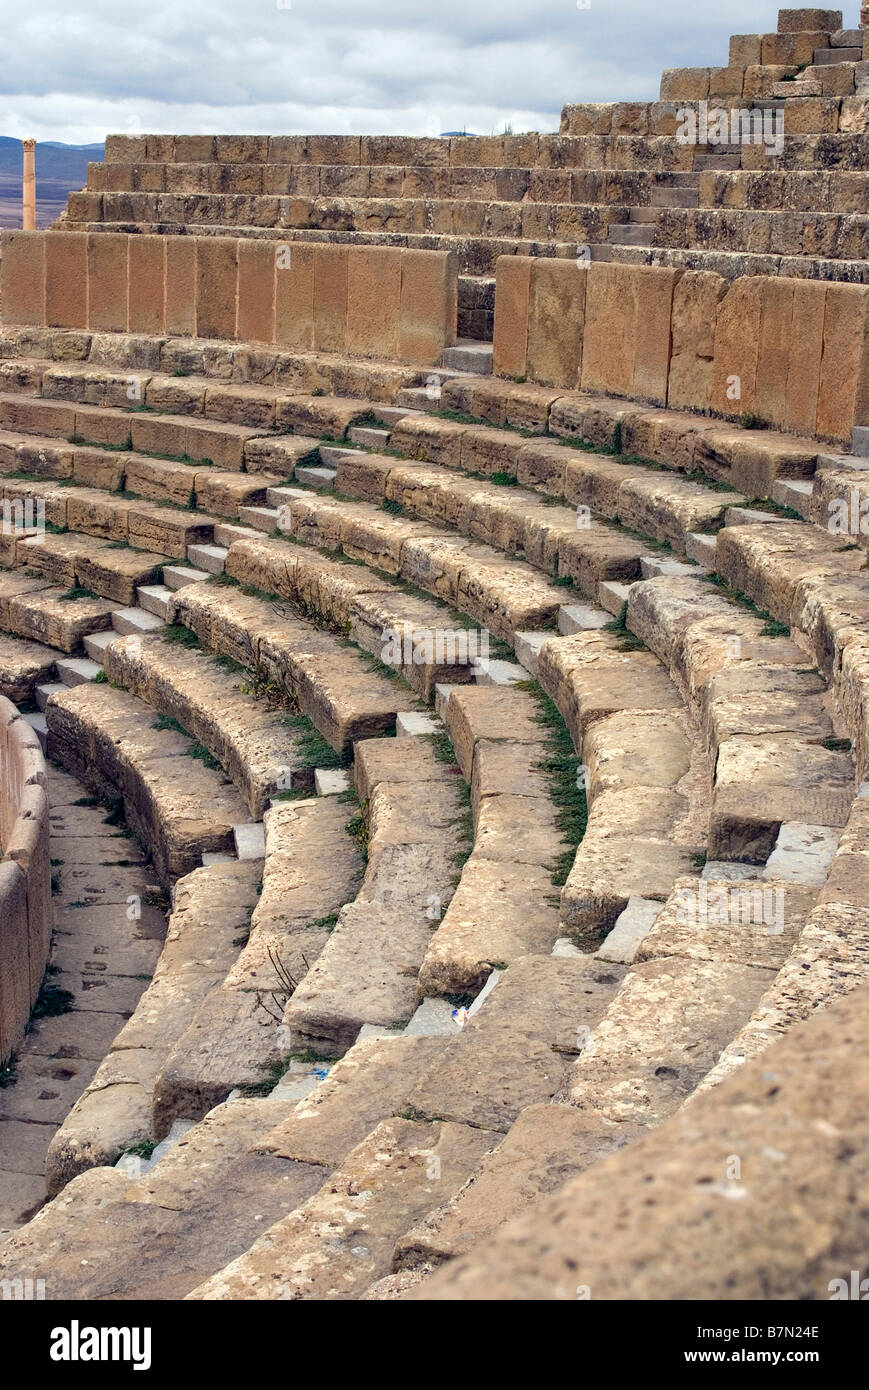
331,65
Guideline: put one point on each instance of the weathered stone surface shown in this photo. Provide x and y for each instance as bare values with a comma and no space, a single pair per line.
760,1247
513,1051
500,911
371,1082
546,1147
381,1189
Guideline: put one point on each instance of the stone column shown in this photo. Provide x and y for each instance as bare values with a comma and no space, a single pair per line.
28,207
864,15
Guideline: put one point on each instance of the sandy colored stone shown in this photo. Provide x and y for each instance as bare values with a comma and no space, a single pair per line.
512,308
382,1187
499,911
764,1245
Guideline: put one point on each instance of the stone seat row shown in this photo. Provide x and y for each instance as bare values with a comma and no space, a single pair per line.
748,459
812,232
564,150
741,988
827,190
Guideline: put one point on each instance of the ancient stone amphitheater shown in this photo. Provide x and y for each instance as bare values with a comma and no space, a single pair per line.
436,573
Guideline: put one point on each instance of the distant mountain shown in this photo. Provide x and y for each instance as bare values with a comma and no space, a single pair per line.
59,168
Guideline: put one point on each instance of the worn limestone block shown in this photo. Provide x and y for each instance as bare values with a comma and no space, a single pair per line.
512,315
627,852
66,272
373,1078
663,1032
752,922
758,1247
545,1004
767,780
15,993
842,382
384,1186
181,285
797,21
685,84
256,291
745,50
216,287
737,347
147,282
500,911
331,268
108,273
374,281
556,318
654,287
429,305
696,297
805,349
609,354
23,277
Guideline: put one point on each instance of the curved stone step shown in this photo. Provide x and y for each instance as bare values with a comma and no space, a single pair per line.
250,742
173,803
367,971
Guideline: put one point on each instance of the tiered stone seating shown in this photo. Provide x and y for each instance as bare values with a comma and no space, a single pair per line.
461,966
621,180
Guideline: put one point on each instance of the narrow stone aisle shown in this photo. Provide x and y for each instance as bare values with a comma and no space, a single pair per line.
107,940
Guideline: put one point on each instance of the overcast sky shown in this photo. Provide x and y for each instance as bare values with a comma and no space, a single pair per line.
75,71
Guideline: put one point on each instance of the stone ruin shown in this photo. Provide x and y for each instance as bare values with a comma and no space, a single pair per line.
436,573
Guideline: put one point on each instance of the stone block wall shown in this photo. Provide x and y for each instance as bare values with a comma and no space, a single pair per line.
793,353
369,301
26,915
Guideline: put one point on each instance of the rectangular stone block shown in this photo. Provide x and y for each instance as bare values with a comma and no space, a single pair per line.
556,321
147,284
806,340
610,314
194,149
737,345
685,84
429,305
108,269
373,301
15,999
125,149
695,306
294,296
776,313
512,310
799,21
653,288
726,82
745,50
256,291
22,277
180,312
216,286
330,297
66,270
842,361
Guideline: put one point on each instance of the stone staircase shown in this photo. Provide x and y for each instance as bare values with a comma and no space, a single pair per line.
591,190
512,993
